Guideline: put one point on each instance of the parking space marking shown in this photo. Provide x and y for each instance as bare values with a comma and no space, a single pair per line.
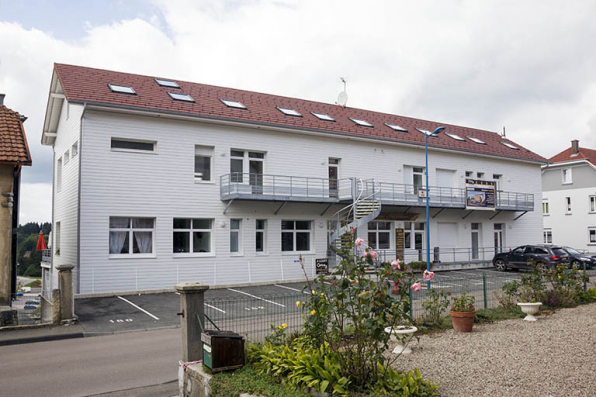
138,307
215,308
290,288
257,297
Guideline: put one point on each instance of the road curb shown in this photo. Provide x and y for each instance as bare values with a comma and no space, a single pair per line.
42,338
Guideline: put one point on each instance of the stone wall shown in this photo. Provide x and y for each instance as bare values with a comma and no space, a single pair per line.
6,180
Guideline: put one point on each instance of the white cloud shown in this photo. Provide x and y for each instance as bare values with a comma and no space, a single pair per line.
36,202
527,65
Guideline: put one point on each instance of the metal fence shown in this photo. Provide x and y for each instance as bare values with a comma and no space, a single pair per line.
26,308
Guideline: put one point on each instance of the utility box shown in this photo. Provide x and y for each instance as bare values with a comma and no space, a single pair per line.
222,350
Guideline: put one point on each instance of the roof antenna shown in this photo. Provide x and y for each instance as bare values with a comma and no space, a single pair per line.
342,98
503,135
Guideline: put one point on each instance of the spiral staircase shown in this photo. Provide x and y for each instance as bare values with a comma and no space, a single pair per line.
365,208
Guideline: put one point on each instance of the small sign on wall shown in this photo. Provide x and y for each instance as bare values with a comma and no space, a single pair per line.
322,265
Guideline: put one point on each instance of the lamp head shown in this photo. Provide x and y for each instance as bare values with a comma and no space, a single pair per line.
438,130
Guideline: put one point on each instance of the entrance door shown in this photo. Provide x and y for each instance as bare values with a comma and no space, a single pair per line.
256,176
400,244
475,240
333,177
419,244
498,237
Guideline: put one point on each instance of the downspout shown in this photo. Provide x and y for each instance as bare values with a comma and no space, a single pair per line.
79,200
16,191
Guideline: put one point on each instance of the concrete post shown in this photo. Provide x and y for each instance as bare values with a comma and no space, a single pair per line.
192,301
66,295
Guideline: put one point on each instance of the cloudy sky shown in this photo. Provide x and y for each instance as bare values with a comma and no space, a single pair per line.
527,65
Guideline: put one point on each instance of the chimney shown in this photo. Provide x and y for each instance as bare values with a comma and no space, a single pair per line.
2,99
574,147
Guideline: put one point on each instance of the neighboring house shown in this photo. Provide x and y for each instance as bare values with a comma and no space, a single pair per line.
569,198
14,153
158,181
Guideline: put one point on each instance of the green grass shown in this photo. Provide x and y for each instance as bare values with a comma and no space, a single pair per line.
484,316
247,380
34,284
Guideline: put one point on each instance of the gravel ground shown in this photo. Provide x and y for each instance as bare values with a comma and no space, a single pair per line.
555,356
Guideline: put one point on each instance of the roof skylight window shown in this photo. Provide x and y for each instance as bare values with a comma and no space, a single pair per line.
478,141
177,96
396,127
167,83
426,132
322,116
233,104
289,112
122,89
510,146
362,123
456,137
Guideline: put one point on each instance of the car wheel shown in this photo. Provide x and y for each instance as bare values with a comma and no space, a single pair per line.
576,265
541,267
500,265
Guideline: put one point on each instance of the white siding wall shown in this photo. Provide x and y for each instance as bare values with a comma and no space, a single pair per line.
66,199
161,186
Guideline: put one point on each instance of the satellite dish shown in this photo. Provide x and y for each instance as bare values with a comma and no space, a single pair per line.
342,98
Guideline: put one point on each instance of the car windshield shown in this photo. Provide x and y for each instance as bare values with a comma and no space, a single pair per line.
559,252
571,251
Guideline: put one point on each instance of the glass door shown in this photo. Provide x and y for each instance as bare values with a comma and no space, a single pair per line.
475,240
255,170
498,237
333,177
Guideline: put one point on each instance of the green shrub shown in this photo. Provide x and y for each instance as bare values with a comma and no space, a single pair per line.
247,380
419,266
394,383
435,305
463,303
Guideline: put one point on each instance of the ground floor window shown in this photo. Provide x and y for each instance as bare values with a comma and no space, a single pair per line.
260,235
295,236
235,236
413,235
547,236
131,235
592,234
192,235
379,235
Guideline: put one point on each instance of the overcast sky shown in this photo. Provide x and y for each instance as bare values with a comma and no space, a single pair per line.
526,65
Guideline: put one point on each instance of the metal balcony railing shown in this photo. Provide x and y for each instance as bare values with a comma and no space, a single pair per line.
284,188
46,255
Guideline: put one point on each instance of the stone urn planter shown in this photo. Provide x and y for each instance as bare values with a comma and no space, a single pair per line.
401,330
463,321
530,309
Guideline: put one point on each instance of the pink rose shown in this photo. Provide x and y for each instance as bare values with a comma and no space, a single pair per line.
352,230
428,275
395,264
374,254
416,287
365,254
359,242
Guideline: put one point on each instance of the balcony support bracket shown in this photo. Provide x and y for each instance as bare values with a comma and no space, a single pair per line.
326,208
407,209
279,208
468,214
228,205
519,216
492,217
441,210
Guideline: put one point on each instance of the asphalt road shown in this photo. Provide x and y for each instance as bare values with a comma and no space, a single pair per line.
89,366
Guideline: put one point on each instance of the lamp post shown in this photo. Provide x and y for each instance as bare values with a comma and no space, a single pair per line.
426,135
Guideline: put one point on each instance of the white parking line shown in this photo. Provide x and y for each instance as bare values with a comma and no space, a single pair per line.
290,288
257,297
138,307
216,308
469,274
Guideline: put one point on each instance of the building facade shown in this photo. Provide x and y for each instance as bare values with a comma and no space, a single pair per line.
160,181
569,198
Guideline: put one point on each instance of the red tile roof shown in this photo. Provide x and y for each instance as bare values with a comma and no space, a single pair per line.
566,155
13,142
82,84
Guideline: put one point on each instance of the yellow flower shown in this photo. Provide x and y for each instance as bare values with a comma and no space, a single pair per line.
279,327
313,292
312,312
284,325
559,276
298,303
579,271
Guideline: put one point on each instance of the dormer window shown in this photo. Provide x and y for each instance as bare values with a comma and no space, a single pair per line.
510,146
289,112
177,96
167,83
362,123
233,104
478,141
456,137
396,127
322,116
122,89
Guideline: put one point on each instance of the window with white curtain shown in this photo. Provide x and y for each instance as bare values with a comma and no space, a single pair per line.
131,236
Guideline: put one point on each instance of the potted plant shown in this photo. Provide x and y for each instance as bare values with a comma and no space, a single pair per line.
463,312
528,302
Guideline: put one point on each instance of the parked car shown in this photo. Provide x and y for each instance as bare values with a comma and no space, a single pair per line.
578,259
544,256
30,307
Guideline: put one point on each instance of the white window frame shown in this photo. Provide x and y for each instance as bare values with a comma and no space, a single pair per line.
294,232
74,149
568,205
59,174
376,231
57,239
592,204
201,151
591,233
545,207
66,157
131,231
191,231
238,232
154,143
264,232
567,176
246,159
547,236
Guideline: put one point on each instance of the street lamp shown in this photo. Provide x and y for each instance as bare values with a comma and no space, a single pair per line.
426,135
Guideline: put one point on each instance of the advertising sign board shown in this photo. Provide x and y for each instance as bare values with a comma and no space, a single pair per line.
480,195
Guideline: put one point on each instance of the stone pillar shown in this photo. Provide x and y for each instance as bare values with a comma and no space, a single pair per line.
192,301
66,294
6,205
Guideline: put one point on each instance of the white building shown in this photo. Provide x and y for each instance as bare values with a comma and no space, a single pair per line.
161,181
569,198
